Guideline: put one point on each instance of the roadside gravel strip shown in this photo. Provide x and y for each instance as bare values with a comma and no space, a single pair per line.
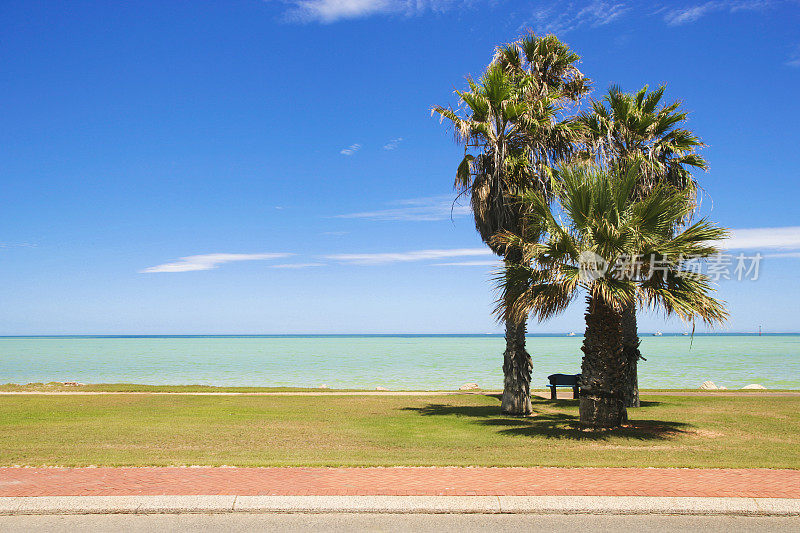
636,505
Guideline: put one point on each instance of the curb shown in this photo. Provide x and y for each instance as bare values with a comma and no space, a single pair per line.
632,505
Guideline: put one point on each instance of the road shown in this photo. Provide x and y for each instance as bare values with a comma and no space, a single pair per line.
236,522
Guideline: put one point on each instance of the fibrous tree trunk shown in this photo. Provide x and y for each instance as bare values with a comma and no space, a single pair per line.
517,364
603,372
630,344
517,368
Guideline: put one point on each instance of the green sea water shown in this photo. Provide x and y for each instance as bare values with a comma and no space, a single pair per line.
395,362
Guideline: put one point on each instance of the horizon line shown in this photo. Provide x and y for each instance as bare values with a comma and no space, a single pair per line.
497,334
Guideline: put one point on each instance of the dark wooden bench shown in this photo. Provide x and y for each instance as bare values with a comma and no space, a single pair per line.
564,380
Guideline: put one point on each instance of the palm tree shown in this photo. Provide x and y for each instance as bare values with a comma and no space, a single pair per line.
508,123
623,250
625,128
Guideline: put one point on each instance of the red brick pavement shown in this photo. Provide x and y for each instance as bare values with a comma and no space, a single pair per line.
758,483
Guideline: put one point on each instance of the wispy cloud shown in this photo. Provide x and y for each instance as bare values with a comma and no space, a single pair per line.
550,16
298,265
207,262
469,263
561,17
793,255
404,257
350,150
688,14
781,238
328,11
418,209
17,245
794,59
393,144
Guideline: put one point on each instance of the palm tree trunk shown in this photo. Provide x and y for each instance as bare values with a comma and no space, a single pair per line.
517,363
630,342
602,400
517,367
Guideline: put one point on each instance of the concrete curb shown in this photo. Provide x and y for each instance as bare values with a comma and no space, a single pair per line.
45,505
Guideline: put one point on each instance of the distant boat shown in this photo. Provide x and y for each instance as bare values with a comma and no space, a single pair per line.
571,334
685,333
657,334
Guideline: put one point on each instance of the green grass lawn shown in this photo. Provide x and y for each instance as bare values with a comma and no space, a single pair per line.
56,386
124,429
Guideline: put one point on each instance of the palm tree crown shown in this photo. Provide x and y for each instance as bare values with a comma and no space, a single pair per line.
626,127
544,64
593,215
508,122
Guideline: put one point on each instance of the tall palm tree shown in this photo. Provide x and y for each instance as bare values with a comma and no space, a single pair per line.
509,125
623,250
626,129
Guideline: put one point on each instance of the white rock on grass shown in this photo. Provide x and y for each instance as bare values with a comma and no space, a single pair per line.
323,386
381,388
754,386
722,387
469,386
709,385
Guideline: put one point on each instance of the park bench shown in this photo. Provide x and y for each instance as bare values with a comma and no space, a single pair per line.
564,380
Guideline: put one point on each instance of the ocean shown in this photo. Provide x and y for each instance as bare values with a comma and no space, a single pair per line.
416,362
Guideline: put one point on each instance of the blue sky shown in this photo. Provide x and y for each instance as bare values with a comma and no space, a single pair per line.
272,167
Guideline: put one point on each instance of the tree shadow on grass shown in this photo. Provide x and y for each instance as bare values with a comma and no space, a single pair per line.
551,425
568,427
574,402
649,403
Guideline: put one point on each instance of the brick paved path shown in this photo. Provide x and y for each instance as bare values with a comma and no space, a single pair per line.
401,481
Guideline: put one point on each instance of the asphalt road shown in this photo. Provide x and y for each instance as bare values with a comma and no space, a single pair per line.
235,522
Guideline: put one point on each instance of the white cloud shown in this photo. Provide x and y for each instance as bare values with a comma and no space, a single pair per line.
560,17
403,257
418,209
298,265
685,15
328,11
207,262
563,17
17,245
470,263
393,144
794,59
350,150
550,16
795,255
781,238
675,17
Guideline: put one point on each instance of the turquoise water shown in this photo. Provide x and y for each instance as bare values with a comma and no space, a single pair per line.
395,362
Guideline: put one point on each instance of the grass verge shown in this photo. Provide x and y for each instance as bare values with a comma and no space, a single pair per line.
56,386
137,430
